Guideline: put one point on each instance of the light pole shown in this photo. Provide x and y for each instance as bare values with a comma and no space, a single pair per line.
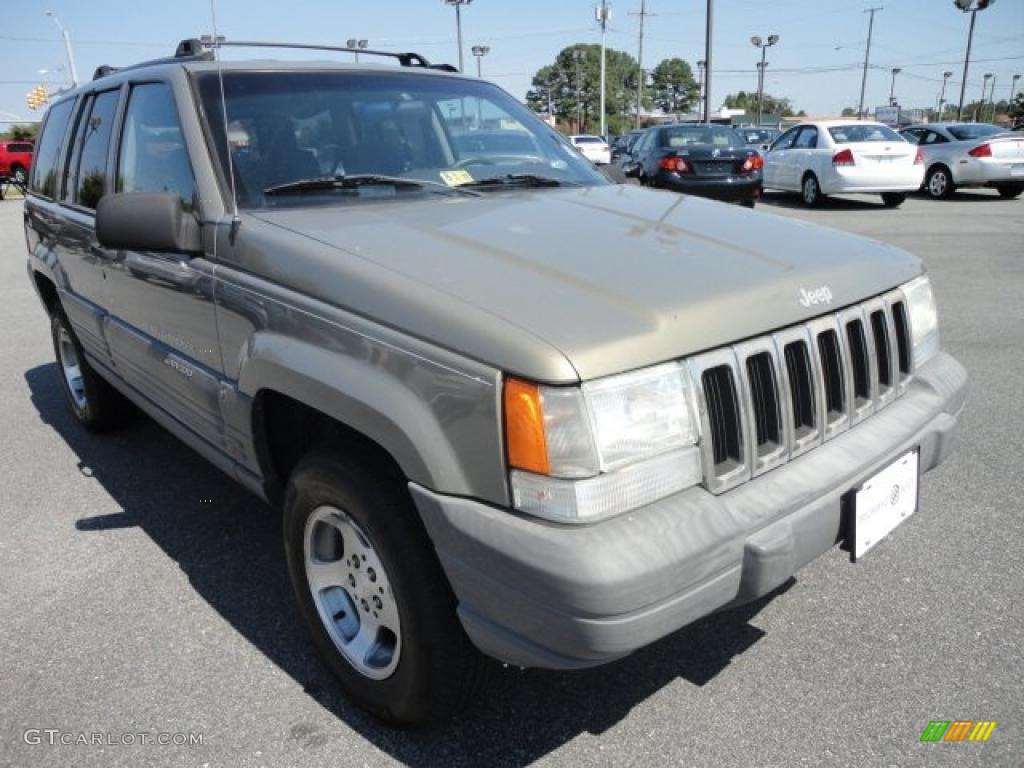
992,99
764,45
458,22
892,88
708,29
942,93
603,13
700,87
1013,88
67,47
972,7
984,87
867,55
355,45
480,51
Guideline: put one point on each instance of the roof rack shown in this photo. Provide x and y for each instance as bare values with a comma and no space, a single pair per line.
199,49
406,59
187,50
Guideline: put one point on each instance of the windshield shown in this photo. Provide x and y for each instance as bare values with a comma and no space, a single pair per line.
690,135
972,131
861,132
285,127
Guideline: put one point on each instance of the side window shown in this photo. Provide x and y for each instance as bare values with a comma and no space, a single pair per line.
785,141
934,138
645,142
44,165
152,153
913,135
95,128
808,138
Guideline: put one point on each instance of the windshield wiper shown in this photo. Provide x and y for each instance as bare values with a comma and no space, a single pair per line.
519,180
354,181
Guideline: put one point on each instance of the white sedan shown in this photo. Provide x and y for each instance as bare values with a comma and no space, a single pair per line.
594,148
842,157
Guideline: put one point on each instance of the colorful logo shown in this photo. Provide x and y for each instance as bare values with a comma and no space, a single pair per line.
958,730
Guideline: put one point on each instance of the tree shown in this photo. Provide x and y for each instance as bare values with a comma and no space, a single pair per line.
849,112
770,106
1016,109
673,85
573,93
21,132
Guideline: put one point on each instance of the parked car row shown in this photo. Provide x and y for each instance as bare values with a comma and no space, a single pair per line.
817,159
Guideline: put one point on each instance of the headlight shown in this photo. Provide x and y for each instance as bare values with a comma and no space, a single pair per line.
579,454
924,319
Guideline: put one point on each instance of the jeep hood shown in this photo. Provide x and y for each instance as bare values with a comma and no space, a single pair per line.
612,278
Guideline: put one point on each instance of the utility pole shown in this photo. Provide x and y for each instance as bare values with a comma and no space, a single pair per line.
603,13
707,61
640,59
577,55
867,56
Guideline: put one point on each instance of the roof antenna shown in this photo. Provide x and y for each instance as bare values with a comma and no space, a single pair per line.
215,45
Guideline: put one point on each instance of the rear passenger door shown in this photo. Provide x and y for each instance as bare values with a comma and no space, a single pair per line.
803,157
162,329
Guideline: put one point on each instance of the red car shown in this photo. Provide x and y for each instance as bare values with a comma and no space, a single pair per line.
16,160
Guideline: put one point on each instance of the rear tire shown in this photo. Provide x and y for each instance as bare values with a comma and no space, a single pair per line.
96,404
1010,191
810,191
893,199
939,183
19,175
415,664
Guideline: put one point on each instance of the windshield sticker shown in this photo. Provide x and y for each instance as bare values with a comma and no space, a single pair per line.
455,178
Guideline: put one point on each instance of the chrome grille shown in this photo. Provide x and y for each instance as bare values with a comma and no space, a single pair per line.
767,400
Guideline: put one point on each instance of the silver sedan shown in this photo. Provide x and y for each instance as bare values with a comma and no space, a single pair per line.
969,155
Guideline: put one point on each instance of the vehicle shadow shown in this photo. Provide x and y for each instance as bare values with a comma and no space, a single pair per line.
228,544
831,203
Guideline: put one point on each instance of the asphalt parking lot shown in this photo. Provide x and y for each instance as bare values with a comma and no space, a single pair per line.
143,592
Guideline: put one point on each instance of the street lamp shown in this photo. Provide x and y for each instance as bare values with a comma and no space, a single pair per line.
764,45
1013,88
602,13
984,87
577,56
458,22
892,88
972,7
480,51
942,93
355,45
67,46
700,87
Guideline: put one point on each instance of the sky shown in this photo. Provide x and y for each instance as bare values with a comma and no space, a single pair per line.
817,62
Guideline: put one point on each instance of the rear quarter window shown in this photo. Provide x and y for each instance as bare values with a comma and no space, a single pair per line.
19,148
45,168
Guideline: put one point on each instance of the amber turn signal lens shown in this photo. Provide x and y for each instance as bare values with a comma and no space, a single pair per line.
524,427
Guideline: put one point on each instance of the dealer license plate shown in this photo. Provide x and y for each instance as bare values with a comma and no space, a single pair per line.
882,503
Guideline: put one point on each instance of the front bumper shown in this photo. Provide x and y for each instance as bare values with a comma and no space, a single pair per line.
536,594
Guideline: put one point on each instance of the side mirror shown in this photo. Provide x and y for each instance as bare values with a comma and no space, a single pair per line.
147,221
631,169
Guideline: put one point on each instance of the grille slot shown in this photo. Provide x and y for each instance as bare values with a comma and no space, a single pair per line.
859,366
723,417
899,317
880,330
801,388
764,399
832,373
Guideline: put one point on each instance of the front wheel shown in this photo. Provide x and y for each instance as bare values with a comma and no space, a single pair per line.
893,199
19,175
1010,191
810,191
372,592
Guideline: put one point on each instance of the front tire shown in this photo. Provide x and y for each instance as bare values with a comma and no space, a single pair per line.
939,183
96,404
373,594
810,191
19,175
1010,191
893,199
